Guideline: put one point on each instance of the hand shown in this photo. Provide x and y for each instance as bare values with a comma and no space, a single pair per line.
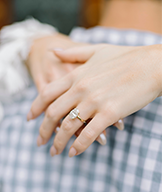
107,88
43,65
46,67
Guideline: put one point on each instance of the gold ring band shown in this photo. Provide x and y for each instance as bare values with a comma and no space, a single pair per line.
83,121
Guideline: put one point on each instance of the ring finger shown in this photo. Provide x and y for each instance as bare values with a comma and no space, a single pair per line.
69,127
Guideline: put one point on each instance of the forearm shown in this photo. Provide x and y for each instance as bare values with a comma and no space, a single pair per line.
142,15
156,53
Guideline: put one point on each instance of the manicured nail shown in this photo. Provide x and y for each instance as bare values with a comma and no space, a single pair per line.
120,125
72,152
39,141
57,129
57,49
53,151
29,116
102,139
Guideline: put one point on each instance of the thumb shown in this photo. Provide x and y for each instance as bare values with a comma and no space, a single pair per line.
75,54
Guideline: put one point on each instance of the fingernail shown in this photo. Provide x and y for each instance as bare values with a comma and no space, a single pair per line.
120,125
57,49
53,151
57,129
29,116
72,152
39,141
102,139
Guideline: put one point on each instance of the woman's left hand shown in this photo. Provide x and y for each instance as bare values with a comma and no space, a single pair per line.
43,65
115,82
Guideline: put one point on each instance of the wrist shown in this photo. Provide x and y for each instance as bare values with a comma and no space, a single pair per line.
156,54
159,48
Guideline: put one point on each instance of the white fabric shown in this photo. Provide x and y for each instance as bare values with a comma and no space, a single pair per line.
15,43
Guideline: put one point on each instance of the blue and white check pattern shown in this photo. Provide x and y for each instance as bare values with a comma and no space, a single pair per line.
130,162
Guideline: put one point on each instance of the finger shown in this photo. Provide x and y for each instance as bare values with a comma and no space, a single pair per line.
50,92
75,54
55,112
38,77
89,134
101,138
77,133
40,83
69,127
119,124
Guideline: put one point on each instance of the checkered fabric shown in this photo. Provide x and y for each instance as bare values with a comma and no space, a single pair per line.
131,161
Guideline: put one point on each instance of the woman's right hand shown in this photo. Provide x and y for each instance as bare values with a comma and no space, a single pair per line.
45,66
103,89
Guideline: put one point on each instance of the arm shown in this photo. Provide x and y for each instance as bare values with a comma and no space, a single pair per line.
132,14
106,89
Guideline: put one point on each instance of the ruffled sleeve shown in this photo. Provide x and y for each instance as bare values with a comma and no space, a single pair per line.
15,43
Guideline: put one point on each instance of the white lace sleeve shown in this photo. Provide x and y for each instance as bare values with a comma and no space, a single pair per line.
15,43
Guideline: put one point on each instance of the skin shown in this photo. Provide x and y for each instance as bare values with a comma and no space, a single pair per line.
114,82
43,65
46,67
143,15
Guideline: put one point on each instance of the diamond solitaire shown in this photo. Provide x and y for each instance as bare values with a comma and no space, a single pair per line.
74,113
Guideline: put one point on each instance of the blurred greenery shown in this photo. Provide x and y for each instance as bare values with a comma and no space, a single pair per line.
62,14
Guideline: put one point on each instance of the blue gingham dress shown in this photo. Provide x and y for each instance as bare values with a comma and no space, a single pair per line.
131,161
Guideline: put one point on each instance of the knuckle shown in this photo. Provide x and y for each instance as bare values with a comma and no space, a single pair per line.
82,86
66,125
73,74
112,112
58,143
89,135
50,113
45,134
93,100
80,146
49,73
